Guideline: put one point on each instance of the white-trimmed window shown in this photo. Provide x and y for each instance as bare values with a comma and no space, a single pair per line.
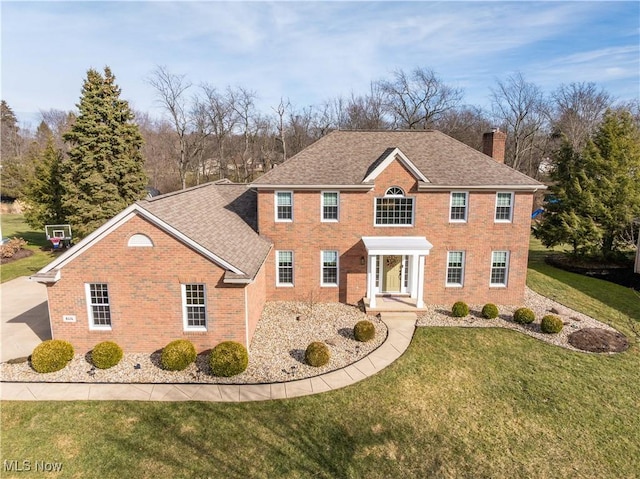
329,268
394,209
504,207
458,206
499,268
194,306
284,268
455,268
98,305
330,206
284,206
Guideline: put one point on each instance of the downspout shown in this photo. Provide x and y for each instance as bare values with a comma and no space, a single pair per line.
246,320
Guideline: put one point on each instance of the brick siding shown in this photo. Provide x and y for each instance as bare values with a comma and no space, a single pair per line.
307,236
145,294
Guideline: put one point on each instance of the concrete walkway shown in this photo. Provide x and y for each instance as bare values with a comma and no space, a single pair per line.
24,317
401,328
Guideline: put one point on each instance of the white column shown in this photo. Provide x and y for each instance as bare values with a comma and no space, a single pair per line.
371,288
413,281
420,299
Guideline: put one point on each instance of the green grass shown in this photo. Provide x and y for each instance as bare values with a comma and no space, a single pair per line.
14,225
603,300
460,403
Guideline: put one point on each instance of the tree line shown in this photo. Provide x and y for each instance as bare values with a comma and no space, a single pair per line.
208,132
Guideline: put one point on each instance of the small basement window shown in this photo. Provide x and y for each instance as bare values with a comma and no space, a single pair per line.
139,240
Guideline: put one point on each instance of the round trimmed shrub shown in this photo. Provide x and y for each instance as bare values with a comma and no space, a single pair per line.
524,316
490,311
177,355
317,354
460,309
551,324
106,355
364,331
51,355
228,359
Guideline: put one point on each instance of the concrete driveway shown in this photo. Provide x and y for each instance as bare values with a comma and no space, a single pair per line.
24,317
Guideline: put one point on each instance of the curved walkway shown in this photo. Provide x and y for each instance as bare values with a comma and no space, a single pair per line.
400,332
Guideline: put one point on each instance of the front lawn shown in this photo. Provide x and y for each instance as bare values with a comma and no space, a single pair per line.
460,403
14,225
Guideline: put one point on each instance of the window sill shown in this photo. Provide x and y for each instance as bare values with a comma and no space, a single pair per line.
99,328
328,285
329,221
393,226
196,330
454,286
284,285
498,286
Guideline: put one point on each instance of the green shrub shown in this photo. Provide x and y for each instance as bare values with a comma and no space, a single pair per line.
317,354
524,316
51,355
551,324
177,355
228,359
364,331
106,355
460,309
490,311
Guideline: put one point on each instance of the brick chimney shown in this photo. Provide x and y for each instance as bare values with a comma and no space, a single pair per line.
493,144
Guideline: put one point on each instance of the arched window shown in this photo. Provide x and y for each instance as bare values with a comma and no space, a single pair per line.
394,191
139,240
394,208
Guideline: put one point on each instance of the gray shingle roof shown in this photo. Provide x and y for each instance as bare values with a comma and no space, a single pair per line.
345,158
222,218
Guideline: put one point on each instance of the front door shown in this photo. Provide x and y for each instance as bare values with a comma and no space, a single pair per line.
392,273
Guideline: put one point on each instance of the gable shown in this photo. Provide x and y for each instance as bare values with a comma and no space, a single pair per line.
50,273
390,155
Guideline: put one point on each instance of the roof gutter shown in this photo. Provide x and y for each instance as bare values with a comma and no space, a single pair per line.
431,187
312,187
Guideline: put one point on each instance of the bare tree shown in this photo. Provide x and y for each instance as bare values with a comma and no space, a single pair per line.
416,100
283,108
578,109
158,151
466,124
172,90
222,119
520,107
243,103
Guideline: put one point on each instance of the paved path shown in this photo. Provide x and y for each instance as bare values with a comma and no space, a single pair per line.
24,317
401,329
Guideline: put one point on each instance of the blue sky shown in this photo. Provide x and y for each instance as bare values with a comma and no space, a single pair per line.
312,51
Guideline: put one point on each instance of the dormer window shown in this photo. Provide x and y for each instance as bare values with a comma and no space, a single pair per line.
394,208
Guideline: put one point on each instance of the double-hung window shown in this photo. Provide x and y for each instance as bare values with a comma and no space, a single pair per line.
284,206
329,268
504,207
330,206
284,268
499,268
458,210
194,306
99,308
455,268
394,209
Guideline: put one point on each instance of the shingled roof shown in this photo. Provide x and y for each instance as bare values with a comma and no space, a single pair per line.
344,158
222,218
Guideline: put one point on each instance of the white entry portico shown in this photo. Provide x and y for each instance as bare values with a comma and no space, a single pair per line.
395,264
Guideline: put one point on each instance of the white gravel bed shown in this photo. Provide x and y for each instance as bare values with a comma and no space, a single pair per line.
276,353
540,305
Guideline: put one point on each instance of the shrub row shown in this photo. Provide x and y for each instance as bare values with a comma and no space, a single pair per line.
550,323
460,309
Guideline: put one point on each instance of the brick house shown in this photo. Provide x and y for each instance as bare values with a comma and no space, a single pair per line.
392,219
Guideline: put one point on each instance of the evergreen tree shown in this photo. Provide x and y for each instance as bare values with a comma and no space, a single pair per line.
103,172
596,195
43,192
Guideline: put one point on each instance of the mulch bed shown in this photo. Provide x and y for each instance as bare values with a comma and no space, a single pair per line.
23,253
598,340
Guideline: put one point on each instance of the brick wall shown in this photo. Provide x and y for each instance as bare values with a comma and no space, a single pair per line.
145,293
307,236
